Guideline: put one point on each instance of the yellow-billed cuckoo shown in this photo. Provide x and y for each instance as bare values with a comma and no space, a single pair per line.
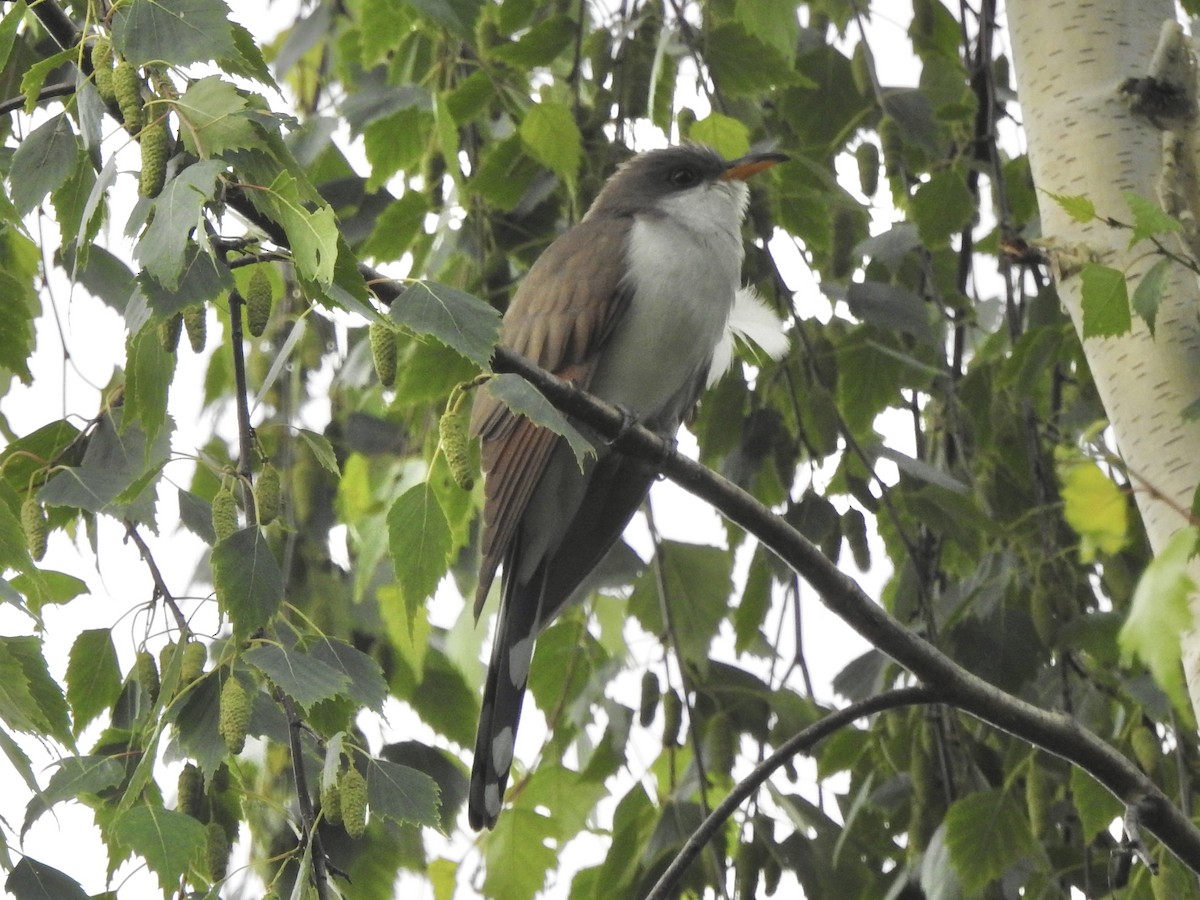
631,304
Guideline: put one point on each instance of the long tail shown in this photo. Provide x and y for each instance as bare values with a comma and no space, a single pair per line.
512,652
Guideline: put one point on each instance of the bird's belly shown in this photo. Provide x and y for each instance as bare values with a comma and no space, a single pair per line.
682,293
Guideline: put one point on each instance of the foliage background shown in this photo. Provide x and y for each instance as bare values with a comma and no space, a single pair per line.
446,143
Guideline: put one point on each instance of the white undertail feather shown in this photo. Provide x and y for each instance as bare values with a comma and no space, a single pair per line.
752,321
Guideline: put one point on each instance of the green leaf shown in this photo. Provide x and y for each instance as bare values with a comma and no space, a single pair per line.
1149,219
114,462
539,46
397,227
419,539
30,700
771,22
552,137
402,794
247,579
1096,805
176,215
214,118
175,33
1105,302
1095,507
93,676
17,335
35,76
726,135
524,399
396,142
942,206
519,855
1149,291
322,450
364,674
1078,207
298,674
702,575
505,174
76,775
149,373
742,64
312,235
1159,615
987,833
170,842
43,162
457,319
32,880
456,16
25,456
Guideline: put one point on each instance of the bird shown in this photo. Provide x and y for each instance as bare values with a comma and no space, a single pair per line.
632,304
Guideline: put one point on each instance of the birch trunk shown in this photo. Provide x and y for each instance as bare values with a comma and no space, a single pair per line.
1070,57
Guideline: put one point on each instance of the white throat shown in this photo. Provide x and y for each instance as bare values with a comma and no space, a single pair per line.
684,261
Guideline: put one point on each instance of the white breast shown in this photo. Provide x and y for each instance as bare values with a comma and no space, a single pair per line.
685,263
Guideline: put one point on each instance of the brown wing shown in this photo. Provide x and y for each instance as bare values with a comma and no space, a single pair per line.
559,318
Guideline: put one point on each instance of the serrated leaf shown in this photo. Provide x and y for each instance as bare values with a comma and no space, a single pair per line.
35,76
419,539
457,319
1095,507
397,142
169,841
322,450
552,138
457,16
1149,291
176,215
297,673
987,833
93,676
518,855
149,373
1078,207
524,399
891,307
114,462
726,135
1159,615
367,685
702,574
247,579
214,118
312,234
1096,805
942,206
1105,302
539,46
17,334
33,880
42,162
402,794
50,712
1149,219
76,775
175,33
742,64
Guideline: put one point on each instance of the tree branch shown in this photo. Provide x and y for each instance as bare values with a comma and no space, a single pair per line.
801,742
1055,732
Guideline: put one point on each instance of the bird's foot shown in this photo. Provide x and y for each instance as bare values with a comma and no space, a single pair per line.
628,421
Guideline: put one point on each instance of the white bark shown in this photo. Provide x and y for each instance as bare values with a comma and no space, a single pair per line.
1070,57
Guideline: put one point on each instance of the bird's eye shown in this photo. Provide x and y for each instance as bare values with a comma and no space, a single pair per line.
683,177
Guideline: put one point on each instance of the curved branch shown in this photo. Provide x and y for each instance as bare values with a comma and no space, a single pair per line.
801,742
1054,732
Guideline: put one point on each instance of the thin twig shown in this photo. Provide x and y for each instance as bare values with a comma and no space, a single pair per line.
160,584
802,742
